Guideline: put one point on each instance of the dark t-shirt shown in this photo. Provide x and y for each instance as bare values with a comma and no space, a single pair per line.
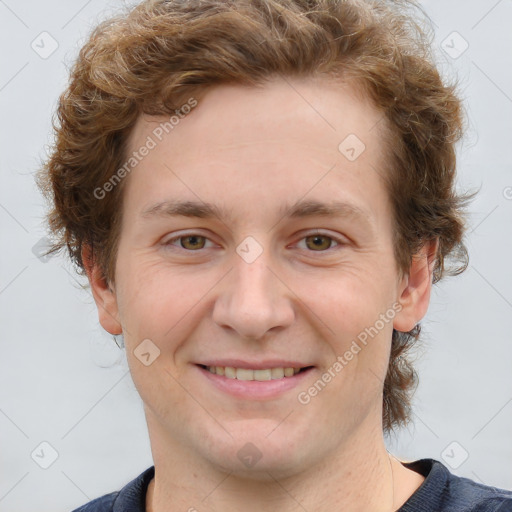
441,491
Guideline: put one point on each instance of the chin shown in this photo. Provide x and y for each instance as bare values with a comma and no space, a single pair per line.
258,453
267,469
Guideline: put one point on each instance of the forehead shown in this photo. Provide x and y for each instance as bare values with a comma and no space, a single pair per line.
329,108
276,140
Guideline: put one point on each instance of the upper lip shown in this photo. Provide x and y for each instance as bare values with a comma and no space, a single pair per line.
256,365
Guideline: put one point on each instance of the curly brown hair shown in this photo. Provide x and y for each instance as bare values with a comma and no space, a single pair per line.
149,59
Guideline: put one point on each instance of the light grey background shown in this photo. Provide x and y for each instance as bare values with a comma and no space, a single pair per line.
64,382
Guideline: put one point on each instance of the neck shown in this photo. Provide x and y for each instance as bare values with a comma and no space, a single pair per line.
359,476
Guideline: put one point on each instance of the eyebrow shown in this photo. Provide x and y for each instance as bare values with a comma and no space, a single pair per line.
299,209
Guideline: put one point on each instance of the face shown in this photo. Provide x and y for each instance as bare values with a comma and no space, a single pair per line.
257,238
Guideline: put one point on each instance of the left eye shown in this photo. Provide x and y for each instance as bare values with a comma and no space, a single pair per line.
319,242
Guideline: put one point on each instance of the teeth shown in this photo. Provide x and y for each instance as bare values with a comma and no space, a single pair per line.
262,374
247,374
229,372
277,373
243,374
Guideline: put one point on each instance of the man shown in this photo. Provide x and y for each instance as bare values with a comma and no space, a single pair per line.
261,194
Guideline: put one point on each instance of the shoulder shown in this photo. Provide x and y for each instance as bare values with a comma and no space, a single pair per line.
477,497
102,504
131,498
442,491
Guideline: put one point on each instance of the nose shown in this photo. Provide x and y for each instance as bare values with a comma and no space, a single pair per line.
253,299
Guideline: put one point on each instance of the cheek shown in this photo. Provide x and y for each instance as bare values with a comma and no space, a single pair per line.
150,290
164,305
346,301
356,318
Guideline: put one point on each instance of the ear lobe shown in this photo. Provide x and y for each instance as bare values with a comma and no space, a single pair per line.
416,287
104,296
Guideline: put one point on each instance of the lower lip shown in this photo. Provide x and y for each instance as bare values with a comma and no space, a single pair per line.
254,389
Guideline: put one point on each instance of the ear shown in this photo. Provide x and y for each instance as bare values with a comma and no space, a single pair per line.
103,294
415,288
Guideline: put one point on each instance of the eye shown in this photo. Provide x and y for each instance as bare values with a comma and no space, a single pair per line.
191,242
320,242
317,242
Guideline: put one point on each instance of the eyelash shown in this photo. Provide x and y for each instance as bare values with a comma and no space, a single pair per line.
338,241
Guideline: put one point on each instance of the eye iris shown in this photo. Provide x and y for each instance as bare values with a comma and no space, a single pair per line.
193,239
317,242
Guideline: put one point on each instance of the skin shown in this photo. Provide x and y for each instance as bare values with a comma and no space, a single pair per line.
253,151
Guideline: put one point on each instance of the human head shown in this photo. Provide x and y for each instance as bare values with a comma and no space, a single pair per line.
163,53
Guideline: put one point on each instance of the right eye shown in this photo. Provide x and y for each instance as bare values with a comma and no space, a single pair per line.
191,242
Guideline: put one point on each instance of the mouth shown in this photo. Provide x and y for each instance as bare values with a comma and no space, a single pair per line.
255,384
248,374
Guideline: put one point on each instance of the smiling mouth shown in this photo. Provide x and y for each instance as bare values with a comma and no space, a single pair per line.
248,374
